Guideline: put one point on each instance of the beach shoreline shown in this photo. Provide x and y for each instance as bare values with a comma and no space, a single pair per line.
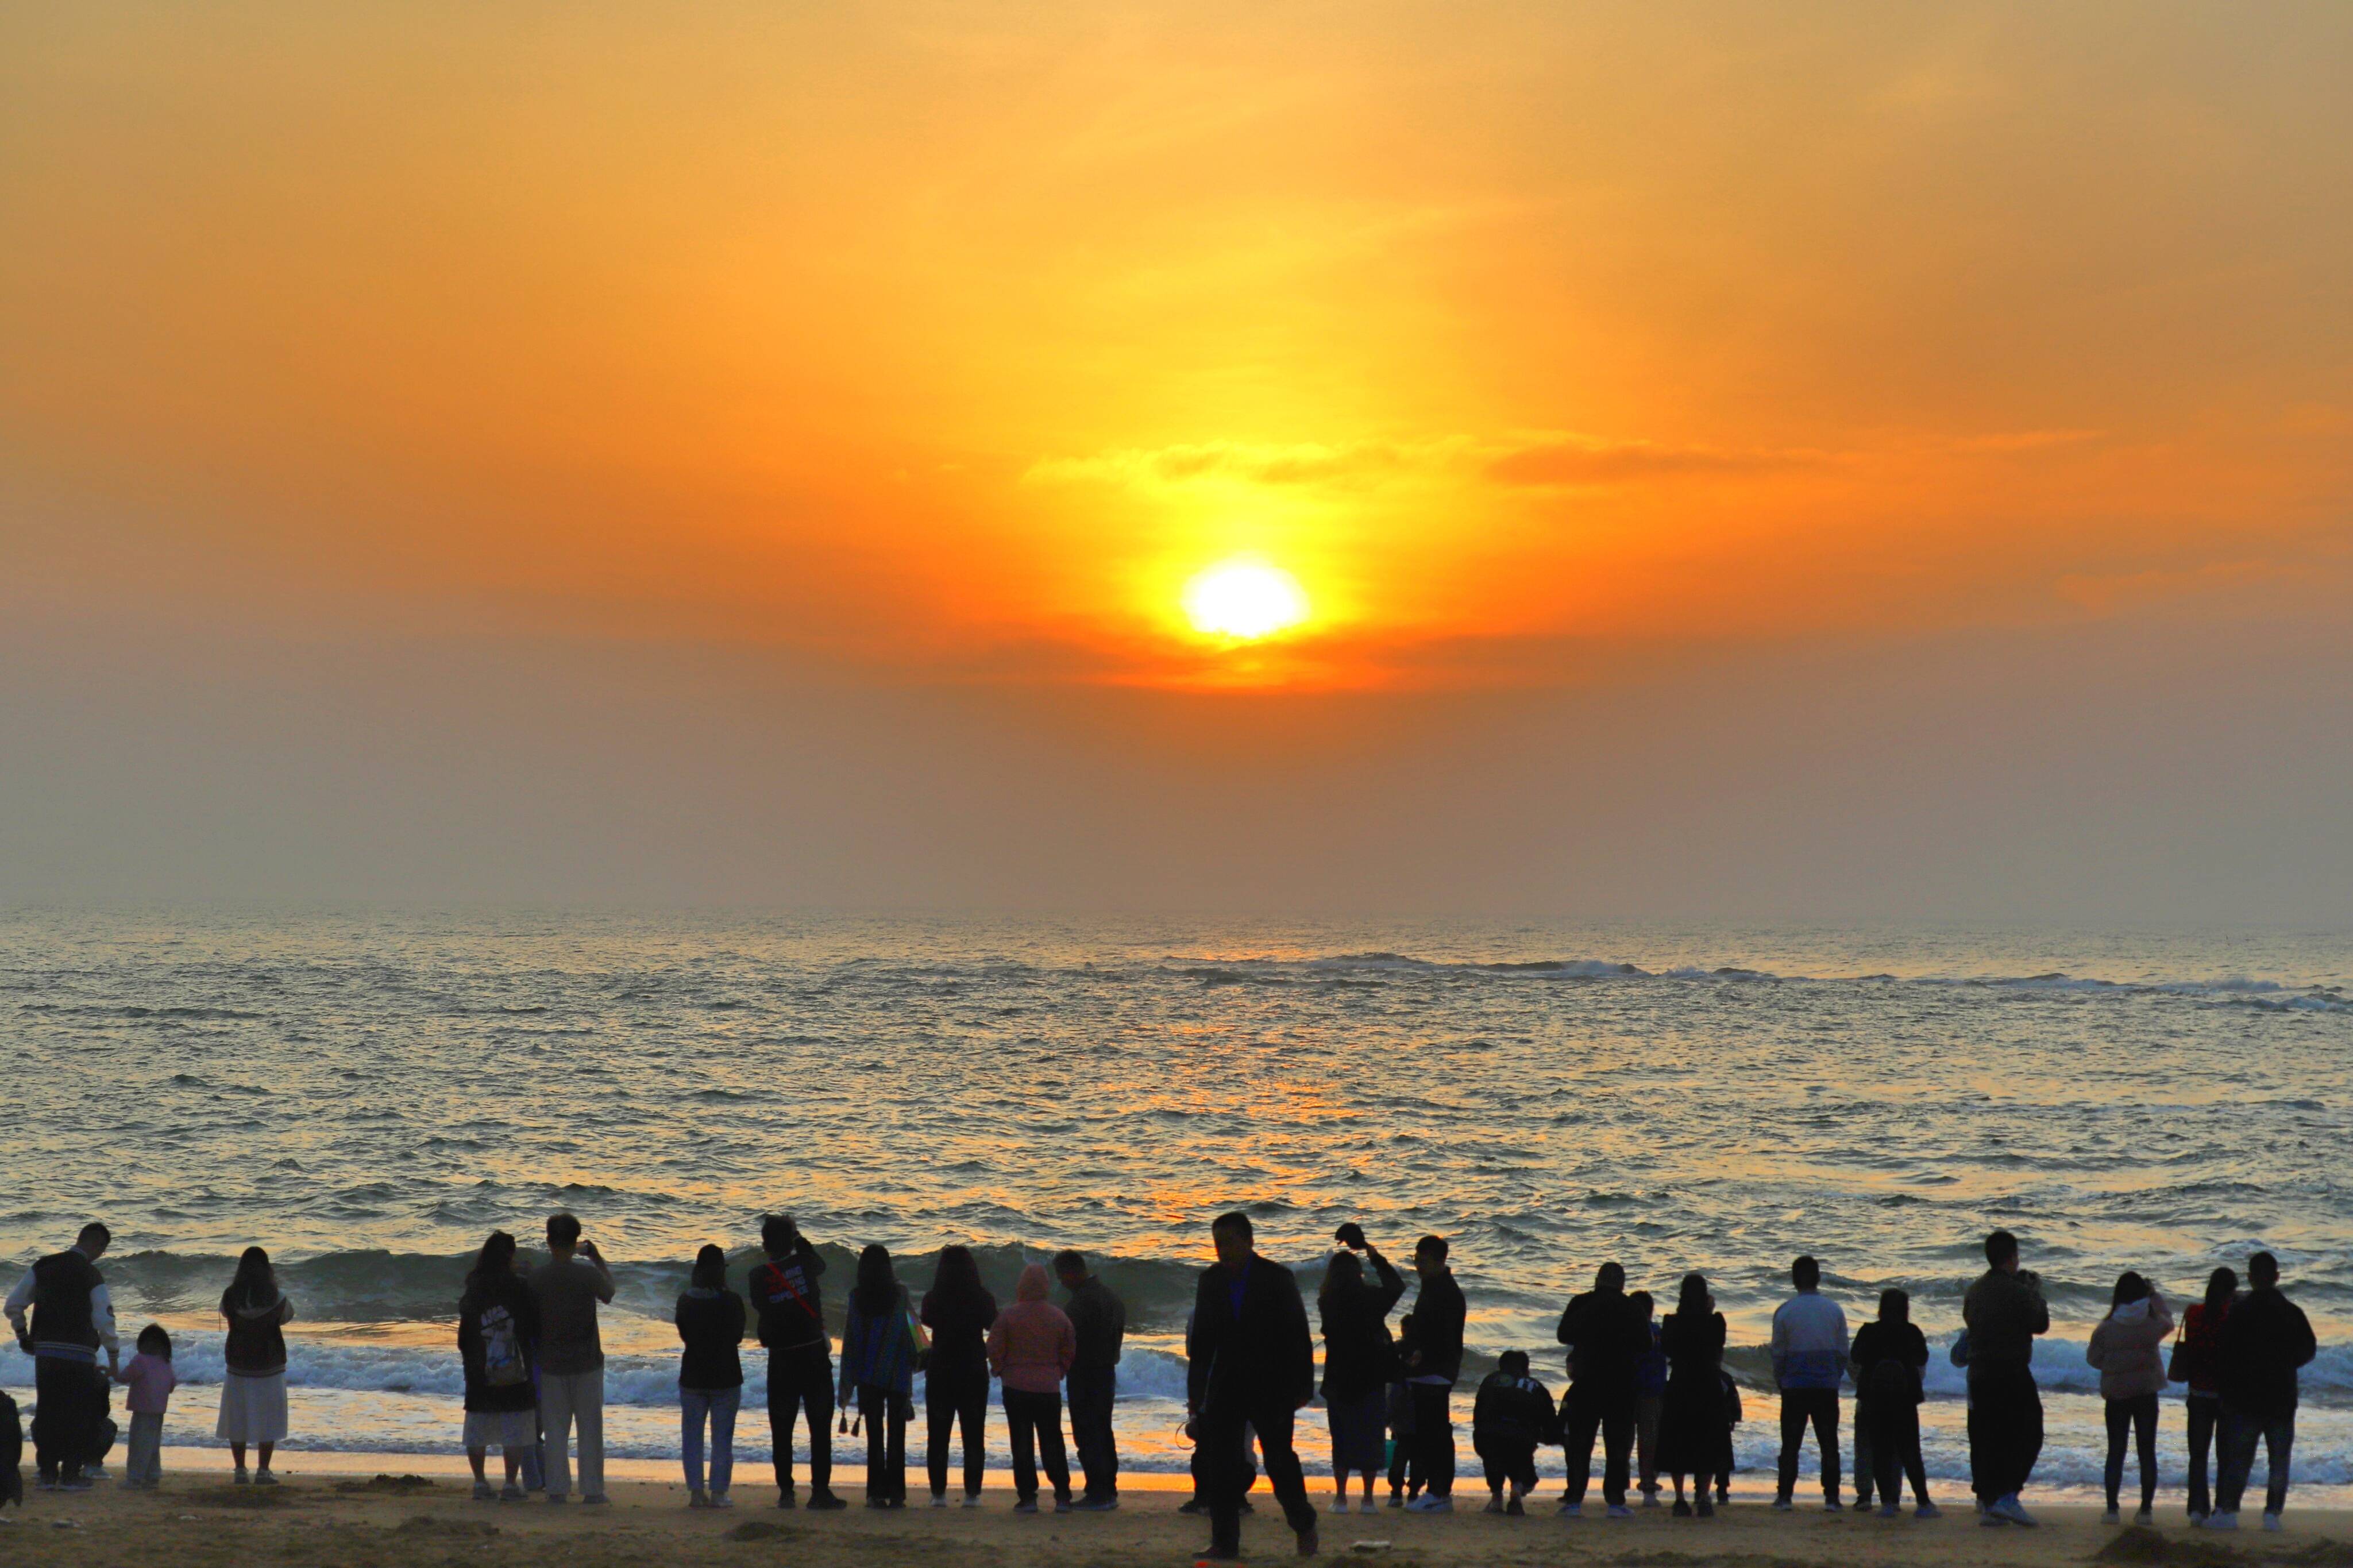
416,1520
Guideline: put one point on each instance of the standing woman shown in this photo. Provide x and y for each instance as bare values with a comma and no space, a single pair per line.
709,1319
1359,1360
959,1312
253,1394
1032,1348
878,1362
498,1330
2125,1348
1692,1431
2197,1361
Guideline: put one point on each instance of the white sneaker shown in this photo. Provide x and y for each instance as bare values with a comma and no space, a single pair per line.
2010,1508
1368,1506
721,1499
939,1500
2144,1516
1340,1503
1494,1502
2112,1517
2273,1522
1431,1503
2221,1521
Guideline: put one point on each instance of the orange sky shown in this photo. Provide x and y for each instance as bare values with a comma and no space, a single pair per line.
944,342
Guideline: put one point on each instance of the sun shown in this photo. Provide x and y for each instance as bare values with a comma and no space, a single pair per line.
1244,599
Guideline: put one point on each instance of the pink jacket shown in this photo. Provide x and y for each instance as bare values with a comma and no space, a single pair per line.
1032,1344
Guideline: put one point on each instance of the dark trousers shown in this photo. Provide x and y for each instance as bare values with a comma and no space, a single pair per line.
1244,1480
1433,1436
800,1381
953,1399
2124,1417
1402,1475
1507,1459
1799,1408
2005,1430
1035,1422
1613,1419
2205,1425
69,1394
1223,1436
2239,1431
1895,1428
885,1415
1092,1391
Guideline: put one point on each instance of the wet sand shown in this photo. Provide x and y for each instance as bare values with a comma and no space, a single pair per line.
324,1521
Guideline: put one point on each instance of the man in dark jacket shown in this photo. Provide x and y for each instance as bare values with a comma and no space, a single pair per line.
1100,1321
2264,1340
1599,1329
72,1319
783,1291
1510,1418
1251,1367
2004,1312
1432,1368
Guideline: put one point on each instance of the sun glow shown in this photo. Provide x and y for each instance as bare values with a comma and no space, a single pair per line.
1244,600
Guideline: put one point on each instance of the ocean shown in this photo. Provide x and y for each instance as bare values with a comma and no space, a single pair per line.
367,1095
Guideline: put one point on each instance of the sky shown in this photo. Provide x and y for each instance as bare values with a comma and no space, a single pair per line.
1806,461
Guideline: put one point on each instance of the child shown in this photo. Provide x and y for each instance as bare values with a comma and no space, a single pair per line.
1649,1394
150,1380
1513,1414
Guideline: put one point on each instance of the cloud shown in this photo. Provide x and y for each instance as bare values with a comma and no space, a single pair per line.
1586,461
1239,462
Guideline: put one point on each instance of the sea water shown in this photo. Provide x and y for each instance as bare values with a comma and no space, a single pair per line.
368,1095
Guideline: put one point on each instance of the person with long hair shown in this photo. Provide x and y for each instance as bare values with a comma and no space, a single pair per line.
878,1346
1691,1427
2197,1361
1359,1360
2127,1349
1889,1356
959,1312
253,1394
709,1319
498,1336
1032,1348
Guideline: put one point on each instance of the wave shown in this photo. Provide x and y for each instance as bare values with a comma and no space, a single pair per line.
382,1287
2227,990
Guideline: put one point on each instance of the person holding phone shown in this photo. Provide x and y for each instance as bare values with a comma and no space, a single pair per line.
568,1288
1359,1358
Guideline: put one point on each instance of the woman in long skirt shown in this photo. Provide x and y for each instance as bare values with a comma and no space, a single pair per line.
253,1394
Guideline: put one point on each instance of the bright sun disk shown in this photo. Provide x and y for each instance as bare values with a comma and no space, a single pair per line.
1244,599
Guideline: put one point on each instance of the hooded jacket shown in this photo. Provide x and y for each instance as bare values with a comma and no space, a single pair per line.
1031,1345
2128,1347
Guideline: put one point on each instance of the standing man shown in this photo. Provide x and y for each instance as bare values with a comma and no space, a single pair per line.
1598,1330
1809,1350
1432,1368
1252,1366
2003,1311
2264,1340
568,1286
783,1291
1100,1319
73,1319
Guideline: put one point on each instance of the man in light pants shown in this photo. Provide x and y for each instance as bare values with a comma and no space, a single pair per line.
571,1357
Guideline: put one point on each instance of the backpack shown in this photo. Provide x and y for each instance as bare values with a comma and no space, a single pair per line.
504,1364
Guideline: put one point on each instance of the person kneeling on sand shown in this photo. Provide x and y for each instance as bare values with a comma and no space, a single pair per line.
1513,1415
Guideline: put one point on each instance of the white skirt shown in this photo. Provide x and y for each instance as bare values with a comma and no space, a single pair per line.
509,1431
252,1408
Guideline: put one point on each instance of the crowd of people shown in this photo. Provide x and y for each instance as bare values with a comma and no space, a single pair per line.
1650,1390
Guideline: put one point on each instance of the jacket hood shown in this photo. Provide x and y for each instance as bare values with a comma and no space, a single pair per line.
1032,1285
2131,1311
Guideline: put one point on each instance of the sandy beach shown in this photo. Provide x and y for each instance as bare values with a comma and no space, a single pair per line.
387,1522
